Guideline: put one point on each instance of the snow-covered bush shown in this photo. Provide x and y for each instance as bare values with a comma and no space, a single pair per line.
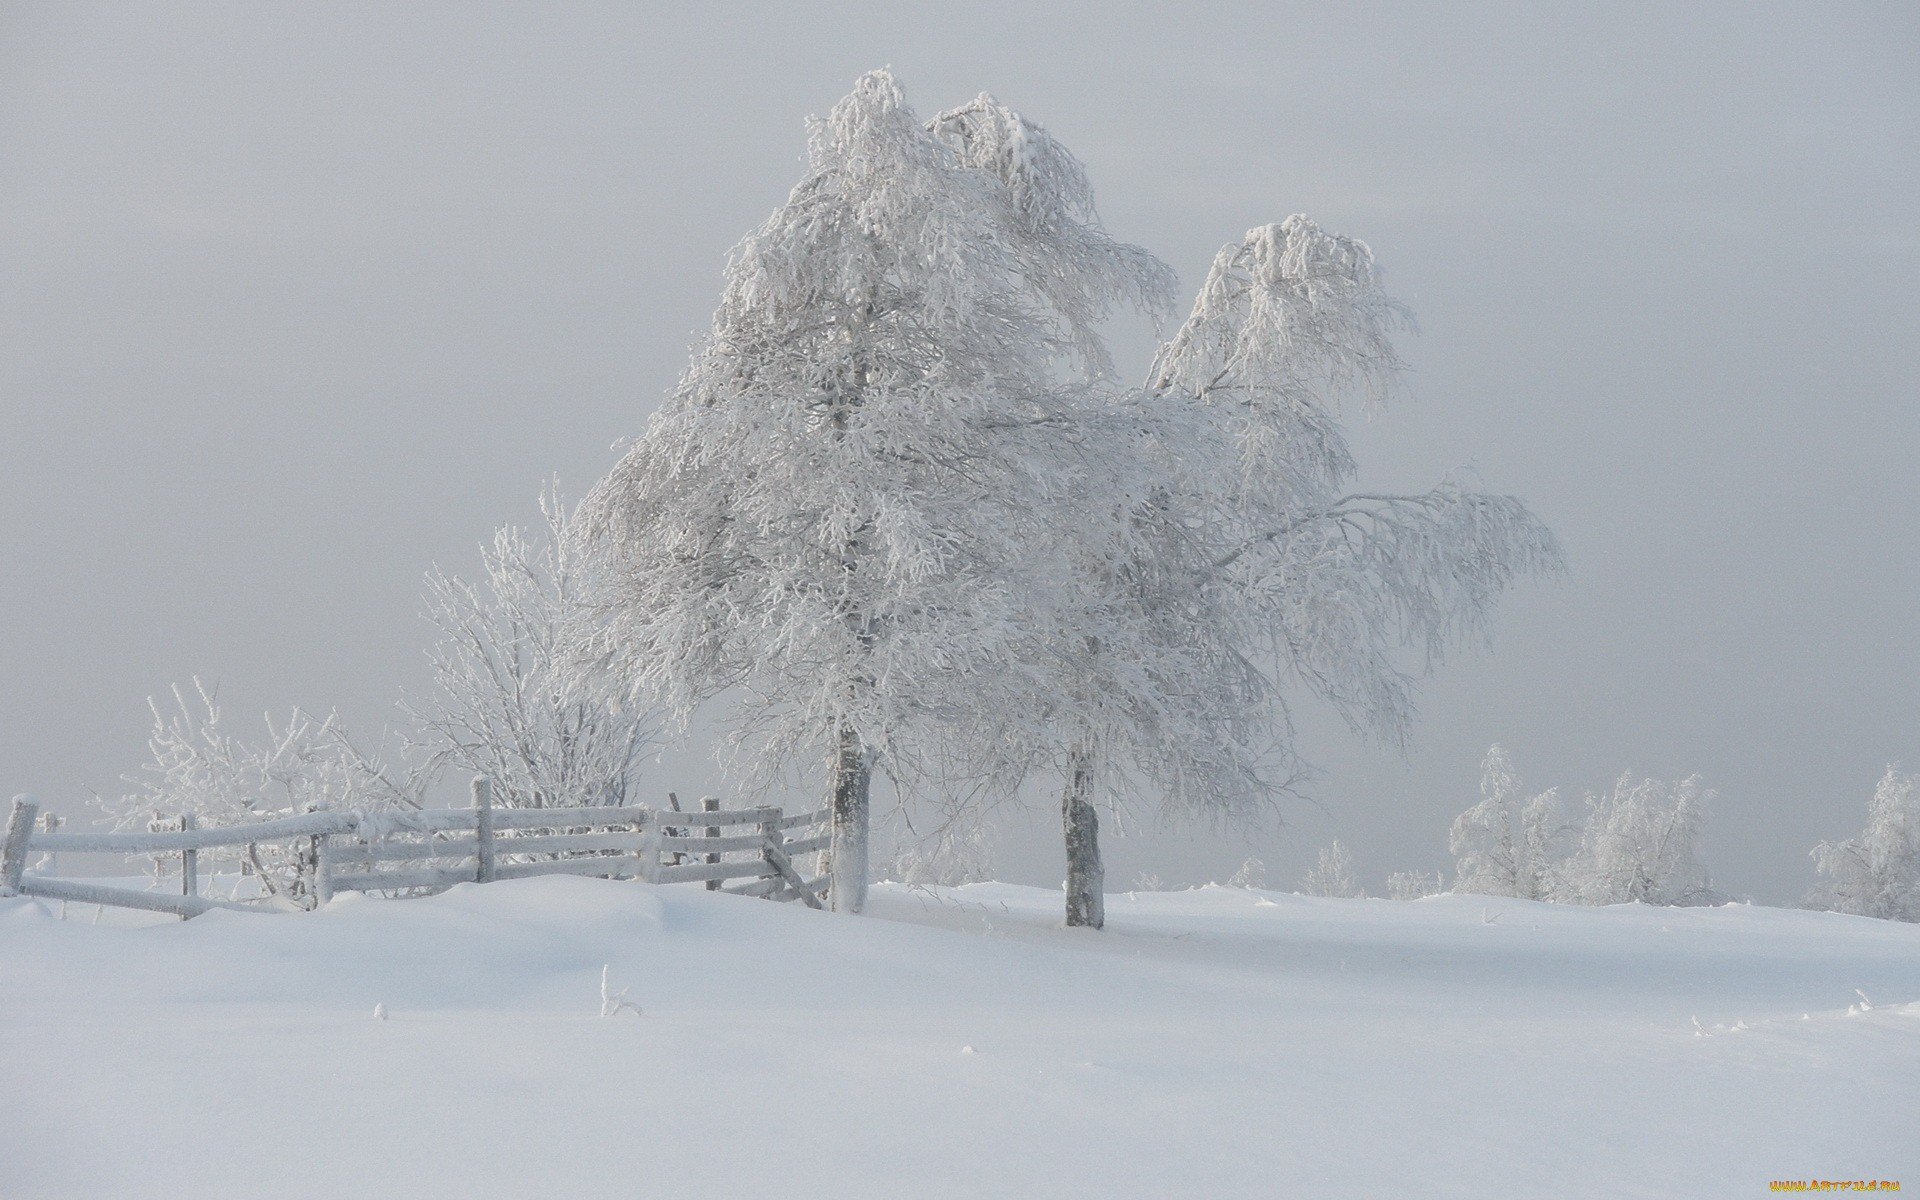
1508,844
510,701
1641,842
1414,885
959,851
1252,874
1332,875
1876,874
198,768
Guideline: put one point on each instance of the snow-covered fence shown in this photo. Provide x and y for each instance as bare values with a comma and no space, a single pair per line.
742,851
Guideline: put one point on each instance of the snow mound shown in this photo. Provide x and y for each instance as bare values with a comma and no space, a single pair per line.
1214,1042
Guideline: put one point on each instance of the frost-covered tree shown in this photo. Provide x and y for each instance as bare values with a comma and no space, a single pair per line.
1247,573
833,520
877,513
1641,843
508,700
198,768
1509,844
1231,569
1876,874
1332,875
1291,326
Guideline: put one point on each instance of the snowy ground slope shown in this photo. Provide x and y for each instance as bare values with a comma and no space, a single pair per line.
1209,1043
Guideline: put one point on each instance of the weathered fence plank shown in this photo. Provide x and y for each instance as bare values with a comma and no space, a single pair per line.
801,820
88,893
778,859
359,854
279,829
694,872
619,865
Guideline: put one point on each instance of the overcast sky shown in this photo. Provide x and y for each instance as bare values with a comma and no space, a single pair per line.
297,299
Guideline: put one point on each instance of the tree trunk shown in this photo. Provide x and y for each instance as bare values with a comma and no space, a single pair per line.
851,777
1086,899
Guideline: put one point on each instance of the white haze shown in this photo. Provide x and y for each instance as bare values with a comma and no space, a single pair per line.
296,302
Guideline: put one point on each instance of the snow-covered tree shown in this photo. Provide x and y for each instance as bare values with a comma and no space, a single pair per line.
1332,875
882,513
1246,573
1509,844
833,519
1229,568
198,768
1641,842
1877,874
1291,325
509,701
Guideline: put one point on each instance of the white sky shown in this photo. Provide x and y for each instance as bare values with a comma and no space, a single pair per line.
293,302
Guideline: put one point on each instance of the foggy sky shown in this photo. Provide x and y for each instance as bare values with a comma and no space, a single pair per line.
295,300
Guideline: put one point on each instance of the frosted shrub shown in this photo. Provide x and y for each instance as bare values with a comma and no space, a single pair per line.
1508,844
1252,874
959,852
1876,874
1332,875
197,767
510,701
1641,842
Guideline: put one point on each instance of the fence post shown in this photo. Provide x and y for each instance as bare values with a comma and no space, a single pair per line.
711,804
483,829
322,868
308,866
13,852
189,863
647,825
771,835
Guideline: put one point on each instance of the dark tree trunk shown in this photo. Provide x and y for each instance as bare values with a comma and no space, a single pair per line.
1086,898
851,776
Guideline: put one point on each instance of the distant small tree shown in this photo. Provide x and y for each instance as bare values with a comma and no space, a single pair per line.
1641,842
1414,885
509,700
1252,874
1332,875
1508,844
1876,874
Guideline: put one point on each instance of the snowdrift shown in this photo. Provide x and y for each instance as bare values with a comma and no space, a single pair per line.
1216,1042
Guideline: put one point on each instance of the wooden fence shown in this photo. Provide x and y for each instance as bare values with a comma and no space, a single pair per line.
748,852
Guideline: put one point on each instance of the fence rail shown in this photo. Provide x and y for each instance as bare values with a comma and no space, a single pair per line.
411,851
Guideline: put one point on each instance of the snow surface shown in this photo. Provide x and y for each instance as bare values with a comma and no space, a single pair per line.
1217,1042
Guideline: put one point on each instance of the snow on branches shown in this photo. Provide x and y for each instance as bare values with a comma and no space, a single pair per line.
198,768
885,513
1509,844
509,701
836,514
1876,874
1640,842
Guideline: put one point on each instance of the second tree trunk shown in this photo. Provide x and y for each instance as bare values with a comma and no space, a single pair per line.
1086,898
847,855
